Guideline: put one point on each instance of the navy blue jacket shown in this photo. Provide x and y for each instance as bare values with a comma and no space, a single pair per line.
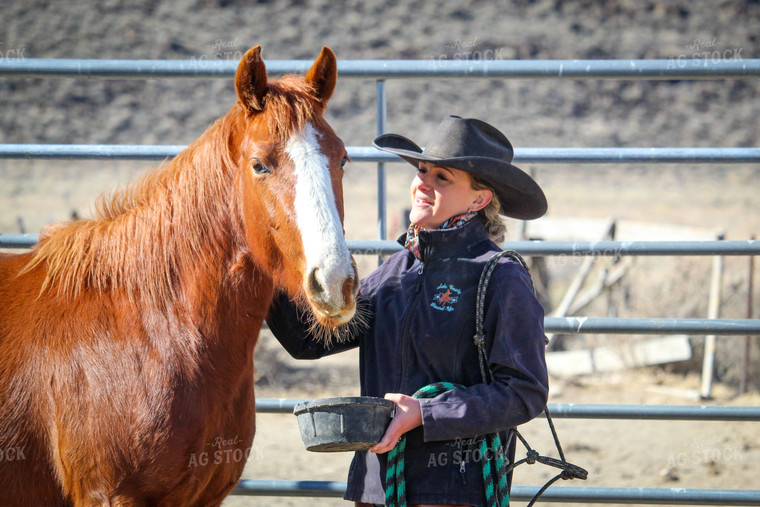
422,322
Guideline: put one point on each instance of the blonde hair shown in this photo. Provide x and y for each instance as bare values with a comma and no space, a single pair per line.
491,214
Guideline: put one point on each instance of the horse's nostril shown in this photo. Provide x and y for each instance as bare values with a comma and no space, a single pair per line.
349,289
351,284
314,286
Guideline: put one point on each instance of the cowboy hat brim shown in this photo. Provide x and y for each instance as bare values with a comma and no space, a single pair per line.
519,195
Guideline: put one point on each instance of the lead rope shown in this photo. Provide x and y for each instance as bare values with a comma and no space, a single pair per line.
569,470
494,467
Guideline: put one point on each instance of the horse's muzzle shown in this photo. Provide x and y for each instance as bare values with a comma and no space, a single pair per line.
332,294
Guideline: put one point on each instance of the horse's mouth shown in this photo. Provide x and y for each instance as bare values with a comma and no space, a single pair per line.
337,327
335,319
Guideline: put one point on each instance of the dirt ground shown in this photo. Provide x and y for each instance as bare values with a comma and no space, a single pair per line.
673,201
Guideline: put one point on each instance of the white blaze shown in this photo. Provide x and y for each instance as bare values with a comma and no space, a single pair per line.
317,215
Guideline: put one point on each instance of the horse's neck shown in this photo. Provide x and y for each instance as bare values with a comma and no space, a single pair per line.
169,243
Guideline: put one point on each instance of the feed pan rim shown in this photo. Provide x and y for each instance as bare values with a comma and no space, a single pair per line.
343,401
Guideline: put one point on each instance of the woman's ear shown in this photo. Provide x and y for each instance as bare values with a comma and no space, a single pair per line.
482,199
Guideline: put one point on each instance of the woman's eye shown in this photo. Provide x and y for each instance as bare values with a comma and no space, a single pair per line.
259,167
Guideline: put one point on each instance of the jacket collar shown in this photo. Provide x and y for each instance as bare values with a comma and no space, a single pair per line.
452,242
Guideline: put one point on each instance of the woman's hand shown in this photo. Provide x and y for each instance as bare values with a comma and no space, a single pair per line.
408,416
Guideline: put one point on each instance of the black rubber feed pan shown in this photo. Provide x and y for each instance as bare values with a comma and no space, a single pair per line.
343,424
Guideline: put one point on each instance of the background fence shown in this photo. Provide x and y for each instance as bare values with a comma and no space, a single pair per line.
380,71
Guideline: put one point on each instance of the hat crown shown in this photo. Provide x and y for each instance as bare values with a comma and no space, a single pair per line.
468,137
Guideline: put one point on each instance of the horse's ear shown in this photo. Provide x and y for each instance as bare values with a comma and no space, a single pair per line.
323,74
251,80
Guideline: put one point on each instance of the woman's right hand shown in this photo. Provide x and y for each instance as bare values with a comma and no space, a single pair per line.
408,416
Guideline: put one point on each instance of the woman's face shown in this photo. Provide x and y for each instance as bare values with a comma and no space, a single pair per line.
439,193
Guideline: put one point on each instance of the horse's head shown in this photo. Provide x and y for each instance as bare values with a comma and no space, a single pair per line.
291,170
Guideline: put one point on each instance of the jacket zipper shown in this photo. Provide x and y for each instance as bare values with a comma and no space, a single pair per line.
406,328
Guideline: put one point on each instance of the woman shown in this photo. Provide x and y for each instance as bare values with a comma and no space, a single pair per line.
421,308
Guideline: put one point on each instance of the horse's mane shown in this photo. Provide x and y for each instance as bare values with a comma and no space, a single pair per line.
144,237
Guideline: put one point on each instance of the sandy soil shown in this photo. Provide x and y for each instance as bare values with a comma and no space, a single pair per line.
683,201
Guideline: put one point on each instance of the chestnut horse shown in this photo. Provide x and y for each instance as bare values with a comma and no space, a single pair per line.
127,341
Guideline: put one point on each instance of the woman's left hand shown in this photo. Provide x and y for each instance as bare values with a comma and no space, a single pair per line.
408,416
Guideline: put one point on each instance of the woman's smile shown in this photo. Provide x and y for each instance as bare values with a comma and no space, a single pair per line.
422,201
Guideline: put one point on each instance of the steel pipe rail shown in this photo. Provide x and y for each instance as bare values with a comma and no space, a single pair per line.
618,325
90,151
638,248
654,412
562,155
316,489
723,66
277,405
18,240
596,248
590,411
531,248
369,154
555,494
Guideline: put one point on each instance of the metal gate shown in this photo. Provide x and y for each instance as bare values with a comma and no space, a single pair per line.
380,71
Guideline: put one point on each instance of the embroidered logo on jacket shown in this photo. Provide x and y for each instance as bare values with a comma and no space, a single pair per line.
446,298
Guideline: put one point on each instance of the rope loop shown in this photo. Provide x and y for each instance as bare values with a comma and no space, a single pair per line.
494,470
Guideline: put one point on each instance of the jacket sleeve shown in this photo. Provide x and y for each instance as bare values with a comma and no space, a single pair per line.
287,323
514,321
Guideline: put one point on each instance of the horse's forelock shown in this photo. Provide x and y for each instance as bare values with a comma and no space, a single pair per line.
291,103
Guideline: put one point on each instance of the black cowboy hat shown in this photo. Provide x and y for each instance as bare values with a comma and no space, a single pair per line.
480,149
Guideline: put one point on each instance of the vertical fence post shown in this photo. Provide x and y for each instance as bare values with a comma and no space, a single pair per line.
381,201
713,312
748,339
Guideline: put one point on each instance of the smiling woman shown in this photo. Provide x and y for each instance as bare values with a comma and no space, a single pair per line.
419,306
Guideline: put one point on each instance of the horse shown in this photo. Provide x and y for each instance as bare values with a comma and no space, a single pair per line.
127,340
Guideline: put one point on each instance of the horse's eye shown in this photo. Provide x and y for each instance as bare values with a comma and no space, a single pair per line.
259,167
343,162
